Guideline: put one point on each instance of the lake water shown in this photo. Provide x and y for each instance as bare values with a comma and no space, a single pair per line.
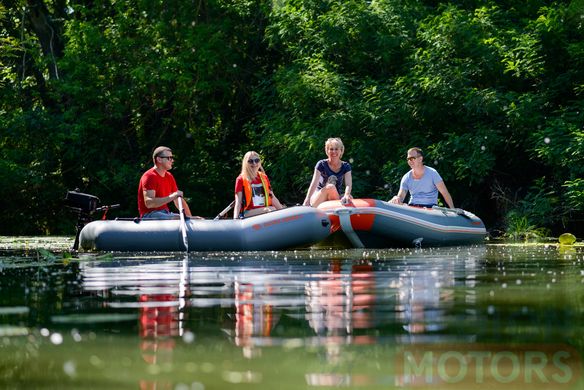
494,316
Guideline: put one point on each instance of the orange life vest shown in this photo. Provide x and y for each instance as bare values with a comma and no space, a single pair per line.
247,191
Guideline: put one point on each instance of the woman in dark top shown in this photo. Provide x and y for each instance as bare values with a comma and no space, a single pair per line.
332,176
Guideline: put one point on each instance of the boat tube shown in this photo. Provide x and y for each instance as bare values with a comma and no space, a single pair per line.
372,223
287,228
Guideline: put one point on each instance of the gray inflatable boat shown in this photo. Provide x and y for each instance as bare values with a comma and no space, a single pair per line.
287,228
373,223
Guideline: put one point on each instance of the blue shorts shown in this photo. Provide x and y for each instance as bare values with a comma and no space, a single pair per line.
160,214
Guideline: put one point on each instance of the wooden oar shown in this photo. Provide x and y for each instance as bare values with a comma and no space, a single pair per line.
225,211
183,223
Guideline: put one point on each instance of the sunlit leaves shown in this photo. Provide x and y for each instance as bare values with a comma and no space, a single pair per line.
521,57
468,157
575,194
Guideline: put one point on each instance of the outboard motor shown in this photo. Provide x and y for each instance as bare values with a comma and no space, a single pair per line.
84,205
80,202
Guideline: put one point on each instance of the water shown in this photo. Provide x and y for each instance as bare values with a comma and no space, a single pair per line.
469,317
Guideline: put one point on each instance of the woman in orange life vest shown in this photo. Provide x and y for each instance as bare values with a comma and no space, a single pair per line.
253,193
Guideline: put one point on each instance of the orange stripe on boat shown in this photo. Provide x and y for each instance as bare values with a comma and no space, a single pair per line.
335,223
360,222
363,222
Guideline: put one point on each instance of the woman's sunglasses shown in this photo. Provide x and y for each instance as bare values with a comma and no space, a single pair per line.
254,161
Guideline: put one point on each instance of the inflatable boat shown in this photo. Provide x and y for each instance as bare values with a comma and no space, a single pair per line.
372,223
287,228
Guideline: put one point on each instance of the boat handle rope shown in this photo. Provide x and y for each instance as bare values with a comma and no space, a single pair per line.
456,211
347,228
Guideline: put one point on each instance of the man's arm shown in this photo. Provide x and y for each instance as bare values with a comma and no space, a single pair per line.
445,194
185,205
399,198
152,202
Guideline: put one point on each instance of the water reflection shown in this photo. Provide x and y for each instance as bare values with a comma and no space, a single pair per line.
307,318
159,291
259,301
342,301
424,296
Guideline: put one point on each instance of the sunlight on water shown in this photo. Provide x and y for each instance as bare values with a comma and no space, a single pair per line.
504,316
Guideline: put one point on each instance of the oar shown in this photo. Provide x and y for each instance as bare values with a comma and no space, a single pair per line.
182,293
183,223
225,211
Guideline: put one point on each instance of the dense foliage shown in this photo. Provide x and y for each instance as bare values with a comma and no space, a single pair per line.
492,90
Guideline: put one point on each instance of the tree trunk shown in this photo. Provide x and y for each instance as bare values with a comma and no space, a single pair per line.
47,33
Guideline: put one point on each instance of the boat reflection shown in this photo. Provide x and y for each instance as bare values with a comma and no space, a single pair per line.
158,291
331,306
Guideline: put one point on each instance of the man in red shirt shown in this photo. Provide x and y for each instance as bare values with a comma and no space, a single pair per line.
157,188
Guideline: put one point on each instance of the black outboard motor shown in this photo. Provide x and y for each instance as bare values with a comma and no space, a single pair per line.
80,202
84,205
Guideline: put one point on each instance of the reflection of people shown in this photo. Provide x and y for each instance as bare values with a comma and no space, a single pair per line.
253,193
337,303
422,182
421,301
157,188
159,325
254,318
329,176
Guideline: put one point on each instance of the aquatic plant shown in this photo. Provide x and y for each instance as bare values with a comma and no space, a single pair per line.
45,255
519,227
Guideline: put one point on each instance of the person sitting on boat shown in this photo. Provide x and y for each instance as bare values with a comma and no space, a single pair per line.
253,193
157,188
422,182
330,176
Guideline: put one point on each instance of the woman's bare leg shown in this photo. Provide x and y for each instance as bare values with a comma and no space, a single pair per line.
328,192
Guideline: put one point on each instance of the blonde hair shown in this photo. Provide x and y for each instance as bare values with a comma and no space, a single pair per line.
329,142
246,169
